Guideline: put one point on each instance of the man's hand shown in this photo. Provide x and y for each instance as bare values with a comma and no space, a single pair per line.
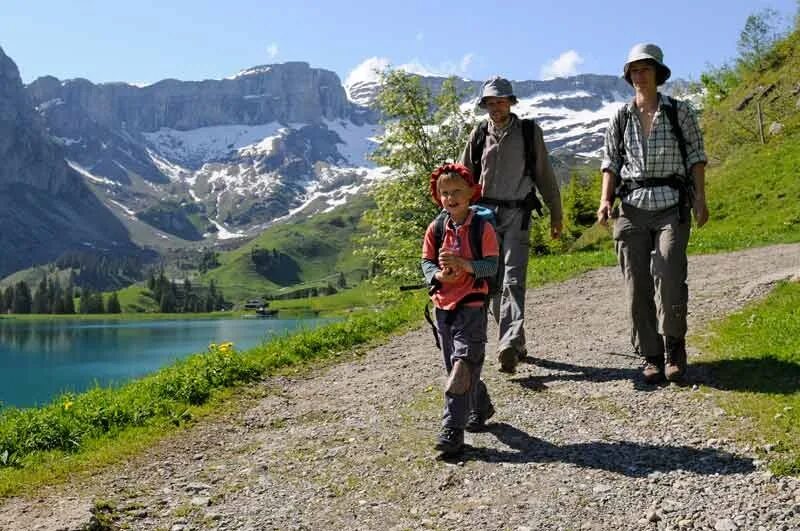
700,209
555,230
604,212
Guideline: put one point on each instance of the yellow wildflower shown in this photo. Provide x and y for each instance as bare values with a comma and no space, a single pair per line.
68,404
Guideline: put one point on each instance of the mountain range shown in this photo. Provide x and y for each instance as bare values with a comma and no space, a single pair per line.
181,164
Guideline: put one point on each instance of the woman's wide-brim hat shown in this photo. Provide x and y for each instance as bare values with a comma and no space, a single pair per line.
497,87
647,52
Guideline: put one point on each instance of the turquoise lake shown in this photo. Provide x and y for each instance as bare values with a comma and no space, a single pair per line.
41,359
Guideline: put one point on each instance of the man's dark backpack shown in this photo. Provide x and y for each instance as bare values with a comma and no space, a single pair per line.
531,203
683,183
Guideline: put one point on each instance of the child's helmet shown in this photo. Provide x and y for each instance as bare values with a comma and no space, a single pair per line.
461,170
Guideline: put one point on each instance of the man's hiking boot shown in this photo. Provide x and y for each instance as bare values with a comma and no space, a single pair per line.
522,354
476,422
508,360
450,441
676,359
653,370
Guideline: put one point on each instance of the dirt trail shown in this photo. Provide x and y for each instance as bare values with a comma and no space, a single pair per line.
578,442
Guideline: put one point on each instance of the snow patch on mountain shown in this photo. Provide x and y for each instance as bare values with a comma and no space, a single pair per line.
359,141
174,172
256,70
206,144
223,233
90,176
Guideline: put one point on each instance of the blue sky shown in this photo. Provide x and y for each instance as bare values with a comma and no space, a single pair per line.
146,41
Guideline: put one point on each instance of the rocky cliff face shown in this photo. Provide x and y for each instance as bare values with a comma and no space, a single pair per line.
286,93
45,207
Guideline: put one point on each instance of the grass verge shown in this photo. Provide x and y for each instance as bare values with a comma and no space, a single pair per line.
754,356
75,433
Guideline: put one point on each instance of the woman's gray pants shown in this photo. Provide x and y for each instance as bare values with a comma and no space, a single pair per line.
651,248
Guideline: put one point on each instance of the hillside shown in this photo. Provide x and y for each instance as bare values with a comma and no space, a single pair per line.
312,252
753,188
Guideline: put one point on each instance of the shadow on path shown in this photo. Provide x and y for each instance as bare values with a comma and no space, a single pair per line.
568,372
626,458
757,375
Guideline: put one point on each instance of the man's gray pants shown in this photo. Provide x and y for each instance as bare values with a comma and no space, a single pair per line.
508,306
651,248
462,335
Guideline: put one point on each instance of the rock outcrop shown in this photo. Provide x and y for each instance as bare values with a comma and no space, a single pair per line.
45,207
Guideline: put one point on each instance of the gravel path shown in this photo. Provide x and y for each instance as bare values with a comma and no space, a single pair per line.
578,442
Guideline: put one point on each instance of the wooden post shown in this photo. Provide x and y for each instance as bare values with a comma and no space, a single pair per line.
760,123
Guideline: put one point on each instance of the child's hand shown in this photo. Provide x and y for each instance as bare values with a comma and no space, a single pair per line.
451,260
448,275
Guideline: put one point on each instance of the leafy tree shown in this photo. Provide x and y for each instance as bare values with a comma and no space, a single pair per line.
113,306
718,82
579,199
757,38
421,132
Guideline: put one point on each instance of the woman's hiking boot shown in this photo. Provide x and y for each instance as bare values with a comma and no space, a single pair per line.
508,360
676,358
450,441
476,422
653,370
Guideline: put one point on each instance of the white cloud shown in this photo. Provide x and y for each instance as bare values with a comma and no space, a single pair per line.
272,50
367,70
443,69
466,61
564,66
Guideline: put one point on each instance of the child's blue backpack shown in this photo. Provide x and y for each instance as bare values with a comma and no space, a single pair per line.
482,216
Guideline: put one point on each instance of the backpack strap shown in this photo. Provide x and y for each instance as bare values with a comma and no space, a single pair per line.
528,134
671,111
438,231
621,124
478,142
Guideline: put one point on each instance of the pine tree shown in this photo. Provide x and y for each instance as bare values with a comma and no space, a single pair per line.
69,300
112,306
22,298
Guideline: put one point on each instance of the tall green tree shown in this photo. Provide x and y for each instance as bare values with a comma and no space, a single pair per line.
757,38
112,305
69,300
422,131
22,298
40,298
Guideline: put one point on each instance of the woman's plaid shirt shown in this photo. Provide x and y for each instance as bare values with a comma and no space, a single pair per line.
659,157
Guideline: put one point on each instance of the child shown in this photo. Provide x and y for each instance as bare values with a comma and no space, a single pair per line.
459,298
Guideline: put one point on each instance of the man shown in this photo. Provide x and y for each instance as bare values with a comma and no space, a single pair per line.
509,175
654,156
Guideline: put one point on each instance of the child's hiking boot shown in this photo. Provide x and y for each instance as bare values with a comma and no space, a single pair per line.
476,422
653,370
676,359
450,441
508,360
